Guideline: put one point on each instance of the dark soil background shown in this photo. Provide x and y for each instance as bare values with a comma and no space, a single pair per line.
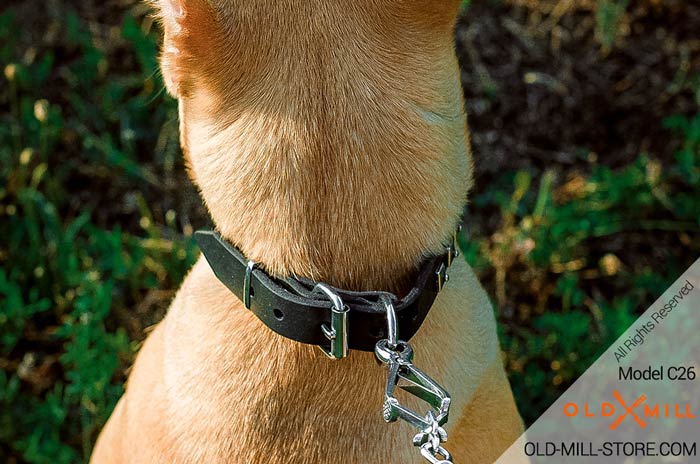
541,90
544,92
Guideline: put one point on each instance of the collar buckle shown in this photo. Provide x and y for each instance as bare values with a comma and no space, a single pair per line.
337,333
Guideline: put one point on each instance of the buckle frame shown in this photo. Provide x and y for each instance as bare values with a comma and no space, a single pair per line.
337,333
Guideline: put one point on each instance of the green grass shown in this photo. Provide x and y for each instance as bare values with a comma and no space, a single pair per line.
568,249
67,282
88,233
609,14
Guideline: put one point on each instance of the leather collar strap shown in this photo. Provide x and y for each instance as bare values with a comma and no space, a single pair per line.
291,307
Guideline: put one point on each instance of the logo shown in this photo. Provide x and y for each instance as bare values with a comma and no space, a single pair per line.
628,411
638,411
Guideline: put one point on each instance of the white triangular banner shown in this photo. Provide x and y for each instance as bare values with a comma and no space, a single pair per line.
639,402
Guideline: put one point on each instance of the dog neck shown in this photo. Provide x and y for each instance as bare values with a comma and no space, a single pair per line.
338,151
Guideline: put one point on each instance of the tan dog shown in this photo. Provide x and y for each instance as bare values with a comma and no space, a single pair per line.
329,140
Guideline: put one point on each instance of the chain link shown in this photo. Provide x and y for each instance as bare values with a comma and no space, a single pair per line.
430,441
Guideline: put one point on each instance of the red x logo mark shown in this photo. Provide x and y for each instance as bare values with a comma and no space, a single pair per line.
628,410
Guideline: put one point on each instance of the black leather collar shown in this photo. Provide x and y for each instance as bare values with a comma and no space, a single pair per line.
292,308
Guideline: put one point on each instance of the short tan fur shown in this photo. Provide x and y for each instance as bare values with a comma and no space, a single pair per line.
328,139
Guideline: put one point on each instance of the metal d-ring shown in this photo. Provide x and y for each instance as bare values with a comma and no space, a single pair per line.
392,335
337,333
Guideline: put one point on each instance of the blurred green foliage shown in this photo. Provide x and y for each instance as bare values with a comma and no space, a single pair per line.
608,16
548,236
63,277
70,280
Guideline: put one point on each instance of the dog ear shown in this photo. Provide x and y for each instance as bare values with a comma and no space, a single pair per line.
188,35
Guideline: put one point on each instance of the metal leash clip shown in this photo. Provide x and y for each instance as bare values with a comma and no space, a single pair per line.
398,355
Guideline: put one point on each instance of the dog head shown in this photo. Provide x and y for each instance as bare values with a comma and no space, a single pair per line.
297,117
